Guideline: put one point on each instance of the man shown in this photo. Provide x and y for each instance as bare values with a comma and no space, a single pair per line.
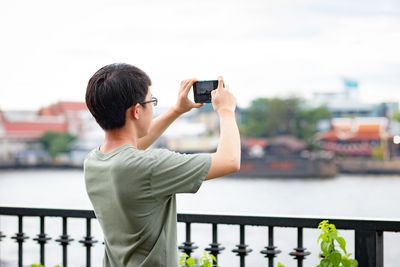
131,186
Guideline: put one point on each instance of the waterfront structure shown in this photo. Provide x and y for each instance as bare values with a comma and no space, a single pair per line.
20,131
357,137
364,145
75,114
283,156
19,137
347,103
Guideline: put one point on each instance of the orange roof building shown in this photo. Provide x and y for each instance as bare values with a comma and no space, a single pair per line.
30,130
358,136
59,117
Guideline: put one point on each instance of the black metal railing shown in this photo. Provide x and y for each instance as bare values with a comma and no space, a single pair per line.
368,234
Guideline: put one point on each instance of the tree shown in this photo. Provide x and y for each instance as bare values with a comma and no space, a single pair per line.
396,116
307,120
55,143
272,117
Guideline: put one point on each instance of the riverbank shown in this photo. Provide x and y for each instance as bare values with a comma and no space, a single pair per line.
368,166
277,167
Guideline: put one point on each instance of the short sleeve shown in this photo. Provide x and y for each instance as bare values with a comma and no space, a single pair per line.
178,173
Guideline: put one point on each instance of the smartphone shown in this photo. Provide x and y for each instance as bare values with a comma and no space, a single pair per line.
202,90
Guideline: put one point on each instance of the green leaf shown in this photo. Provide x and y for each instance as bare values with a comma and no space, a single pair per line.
346,262
333,234
342,243
190,261
332,227
326,248
280,265
335,258
354,263
213,257
326,263
322,224
182,259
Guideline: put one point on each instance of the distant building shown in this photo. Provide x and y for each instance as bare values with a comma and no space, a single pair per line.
357,136
20,131
347,103
75,114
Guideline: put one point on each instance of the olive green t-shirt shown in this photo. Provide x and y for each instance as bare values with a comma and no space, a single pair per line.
133,195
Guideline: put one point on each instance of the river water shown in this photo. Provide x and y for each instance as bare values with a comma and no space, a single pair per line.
343,196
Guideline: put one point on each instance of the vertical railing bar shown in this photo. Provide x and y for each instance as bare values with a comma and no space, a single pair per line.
300,237
379,249
270,244
188,246
188,232
42,239
88,234
369,247
88,242
215,239
270,236
299,253
300,244
20,238
242,250
242,233
270,251
215,233
242,241
64,246
20,252
42,258
215,246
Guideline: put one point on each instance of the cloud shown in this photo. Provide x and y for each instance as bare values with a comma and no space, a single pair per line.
263,48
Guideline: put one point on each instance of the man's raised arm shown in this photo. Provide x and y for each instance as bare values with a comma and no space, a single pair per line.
226,159
161,123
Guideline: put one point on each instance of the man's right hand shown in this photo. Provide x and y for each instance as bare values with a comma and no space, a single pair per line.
226,159
222,99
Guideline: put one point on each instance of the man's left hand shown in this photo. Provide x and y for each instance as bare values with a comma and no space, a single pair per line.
184,104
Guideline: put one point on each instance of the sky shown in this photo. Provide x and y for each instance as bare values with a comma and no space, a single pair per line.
263,48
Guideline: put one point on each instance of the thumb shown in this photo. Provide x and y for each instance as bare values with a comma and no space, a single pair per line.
198,105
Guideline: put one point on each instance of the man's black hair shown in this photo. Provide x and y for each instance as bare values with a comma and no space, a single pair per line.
112,90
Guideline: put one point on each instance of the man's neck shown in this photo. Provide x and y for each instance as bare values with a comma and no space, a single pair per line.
116,138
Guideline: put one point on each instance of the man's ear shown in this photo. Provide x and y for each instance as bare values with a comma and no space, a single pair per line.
135,111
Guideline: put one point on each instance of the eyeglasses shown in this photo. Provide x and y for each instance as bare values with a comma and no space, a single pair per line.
153,101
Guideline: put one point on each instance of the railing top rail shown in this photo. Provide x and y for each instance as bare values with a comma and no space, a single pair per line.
392,225
47,212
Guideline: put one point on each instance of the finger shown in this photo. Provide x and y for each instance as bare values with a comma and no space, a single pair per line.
220,82
184,90
198,105
190,84
184,84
